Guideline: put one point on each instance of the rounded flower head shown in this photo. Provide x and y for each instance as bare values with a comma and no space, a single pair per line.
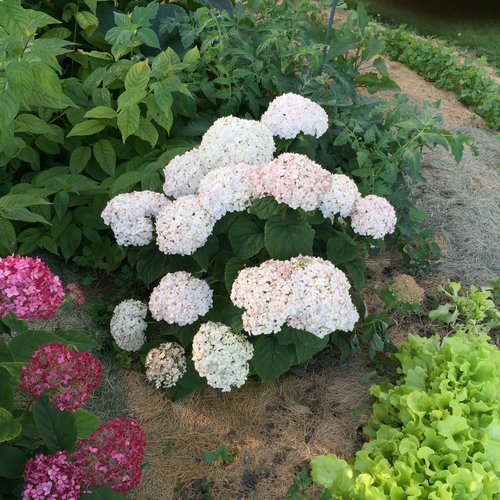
166,364
128,324
180,298
289,114
129,216
183,174
183,226
307,293
405,289
67,377
293,179
221,356
340,197
264,291
52,477
227,189
232,140
373,216
113,454
320,292
76,294
28,288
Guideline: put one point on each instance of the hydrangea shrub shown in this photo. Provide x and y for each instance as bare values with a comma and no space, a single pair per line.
255,255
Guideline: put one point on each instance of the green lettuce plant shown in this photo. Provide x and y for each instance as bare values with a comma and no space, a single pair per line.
434,433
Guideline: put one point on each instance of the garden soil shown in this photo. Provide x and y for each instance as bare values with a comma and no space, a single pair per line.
275,428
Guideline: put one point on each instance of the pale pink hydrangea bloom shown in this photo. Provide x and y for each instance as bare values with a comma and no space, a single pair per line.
289,114
321,296
264,292
293,179
180,298
221,356
227,189
183,226
183,174
373,216
129,216
67,377
113,454
52,477
307,293
128,325
340,197
232,140
28,288
165,364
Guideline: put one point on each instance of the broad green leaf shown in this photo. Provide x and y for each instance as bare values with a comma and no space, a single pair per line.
7,235
13,367
138,76
332,473
128,121
105,155
87,21
12,462
57,428
86,423
233,267
125,181
9,428
92,5
151,264
265,208
191,56
246,237
70,240
31,124
23,345
341,248
80,156
6,392
147,132
25,215
100,112
286,236
130,98
355,269
271,359
87,127
5,354
149,37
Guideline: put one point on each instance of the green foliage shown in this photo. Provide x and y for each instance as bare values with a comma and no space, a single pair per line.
220,453
443,66
434,434
473,311
300,487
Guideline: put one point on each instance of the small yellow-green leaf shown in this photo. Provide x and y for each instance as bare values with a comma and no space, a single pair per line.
101,112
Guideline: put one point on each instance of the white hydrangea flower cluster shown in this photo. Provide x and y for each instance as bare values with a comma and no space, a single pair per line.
307,293
129,216
373,216
165,364
293,179
180,298
289,114
264,291
221,356
183,226
232,140
183,174
227,189
128,324
340,197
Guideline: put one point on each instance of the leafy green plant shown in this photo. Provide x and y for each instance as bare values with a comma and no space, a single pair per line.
473,311
434,433
442,65
221,453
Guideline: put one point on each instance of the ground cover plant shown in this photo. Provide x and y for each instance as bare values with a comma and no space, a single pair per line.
434,431
50,447
120,98
442,65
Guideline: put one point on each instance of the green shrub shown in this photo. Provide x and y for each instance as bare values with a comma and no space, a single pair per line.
442,65
434,434
139,88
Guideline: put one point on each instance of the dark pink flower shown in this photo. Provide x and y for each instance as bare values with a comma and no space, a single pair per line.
67,377
113,454
28,288
76,294
52,477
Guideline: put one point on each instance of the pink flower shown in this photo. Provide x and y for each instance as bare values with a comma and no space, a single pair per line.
52,477
373,216
68,377
76,294
113,454
28,288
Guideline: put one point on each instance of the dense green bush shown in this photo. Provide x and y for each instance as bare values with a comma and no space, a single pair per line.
113,109
442,65
434,434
